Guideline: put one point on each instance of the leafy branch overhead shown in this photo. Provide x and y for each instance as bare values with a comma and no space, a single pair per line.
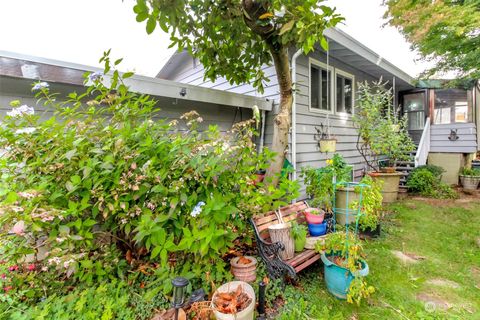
234,38
446,32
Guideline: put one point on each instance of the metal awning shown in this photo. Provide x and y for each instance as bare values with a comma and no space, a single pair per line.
19,69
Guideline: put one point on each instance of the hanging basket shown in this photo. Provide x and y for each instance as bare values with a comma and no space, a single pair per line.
281,233
327,145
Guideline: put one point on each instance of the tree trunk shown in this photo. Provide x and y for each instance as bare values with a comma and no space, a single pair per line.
281,124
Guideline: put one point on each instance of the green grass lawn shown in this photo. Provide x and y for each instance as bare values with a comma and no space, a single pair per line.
445,233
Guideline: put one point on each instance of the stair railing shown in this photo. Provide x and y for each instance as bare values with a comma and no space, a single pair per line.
424,145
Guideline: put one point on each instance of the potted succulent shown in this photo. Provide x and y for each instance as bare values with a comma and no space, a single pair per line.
344,267
326,142
299,233
382,135
470,178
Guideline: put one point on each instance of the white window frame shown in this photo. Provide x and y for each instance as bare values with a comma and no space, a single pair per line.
351,77
330,69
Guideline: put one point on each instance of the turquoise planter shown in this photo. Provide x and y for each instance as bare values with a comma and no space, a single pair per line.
338,279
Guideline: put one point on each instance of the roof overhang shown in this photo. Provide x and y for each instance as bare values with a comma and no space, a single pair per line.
348,50
29,68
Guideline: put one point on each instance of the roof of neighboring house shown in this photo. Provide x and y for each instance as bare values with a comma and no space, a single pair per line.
18,69
341,46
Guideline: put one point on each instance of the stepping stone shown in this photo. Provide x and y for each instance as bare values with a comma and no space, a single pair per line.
407,258
443,283
433,303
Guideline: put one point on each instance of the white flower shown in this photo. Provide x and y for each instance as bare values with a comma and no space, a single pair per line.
25,130
198,209
20,111
55,260
40,85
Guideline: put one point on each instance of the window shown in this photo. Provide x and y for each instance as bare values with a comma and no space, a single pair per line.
451,106
344,92
320,86
414,107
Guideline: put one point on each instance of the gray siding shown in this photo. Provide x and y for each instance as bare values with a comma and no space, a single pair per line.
467,142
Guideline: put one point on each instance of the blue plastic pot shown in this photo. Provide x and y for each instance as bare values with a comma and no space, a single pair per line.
317,229
338,279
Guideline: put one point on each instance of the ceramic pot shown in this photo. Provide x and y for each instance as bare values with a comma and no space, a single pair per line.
244,271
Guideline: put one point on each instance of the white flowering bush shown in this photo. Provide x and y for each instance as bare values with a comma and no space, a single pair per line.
101,189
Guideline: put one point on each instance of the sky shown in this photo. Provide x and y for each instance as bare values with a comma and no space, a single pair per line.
79,32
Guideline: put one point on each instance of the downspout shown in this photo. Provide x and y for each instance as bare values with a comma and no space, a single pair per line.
262,133
294,114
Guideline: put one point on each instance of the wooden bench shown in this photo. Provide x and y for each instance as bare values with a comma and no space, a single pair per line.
269,252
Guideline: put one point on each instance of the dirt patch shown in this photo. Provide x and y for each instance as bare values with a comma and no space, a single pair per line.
434,302
406,257
443,283
464,201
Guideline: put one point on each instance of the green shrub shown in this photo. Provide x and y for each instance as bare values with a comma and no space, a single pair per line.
101,188
425,180
470,171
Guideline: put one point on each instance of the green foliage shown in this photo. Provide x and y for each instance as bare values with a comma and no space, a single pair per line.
470,171
319,181
381,130
101,181
445,32
299,231
426,180
103,302
254,29
371,203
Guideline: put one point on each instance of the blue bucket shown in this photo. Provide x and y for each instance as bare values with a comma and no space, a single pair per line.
338,279
317,229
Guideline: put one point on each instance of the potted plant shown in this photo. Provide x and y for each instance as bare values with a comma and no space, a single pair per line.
244,268
344,267
299,233
371,207
382,135
470,178
326,142
319,181
234,300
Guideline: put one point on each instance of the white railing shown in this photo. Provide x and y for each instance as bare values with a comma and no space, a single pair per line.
424,146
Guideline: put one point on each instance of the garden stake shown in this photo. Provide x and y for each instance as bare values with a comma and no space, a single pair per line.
261,299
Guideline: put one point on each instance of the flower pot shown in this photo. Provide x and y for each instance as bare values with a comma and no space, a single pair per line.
390,184
312,241
343,206
244,268
281,233
317,229
245,314
314,218
300,243
469,182
327,145
338,279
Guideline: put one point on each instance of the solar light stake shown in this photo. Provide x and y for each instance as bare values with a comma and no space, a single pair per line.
179,286
261,299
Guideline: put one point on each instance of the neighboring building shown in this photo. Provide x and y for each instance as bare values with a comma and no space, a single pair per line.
18,72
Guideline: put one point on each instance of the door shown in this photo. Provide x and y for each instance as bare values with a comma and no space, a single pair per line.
414,105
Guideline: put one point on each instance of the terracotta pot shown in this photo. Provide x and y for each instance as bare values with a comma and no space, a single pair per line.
314,218
244,271
327,145
391,182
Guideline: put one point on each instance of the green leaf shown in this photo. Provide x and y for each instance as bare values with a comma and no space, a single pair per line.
155,252
151,24
287,27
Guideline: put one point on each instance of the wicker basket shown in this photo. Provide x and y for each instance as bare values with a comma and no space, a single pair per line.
281,233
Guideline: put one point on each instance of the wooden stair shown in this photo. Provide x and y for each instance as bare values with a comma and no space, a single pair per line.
405,167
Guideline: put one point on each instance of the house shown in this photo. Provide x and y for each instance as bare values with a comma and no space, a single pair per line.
325,93
325,83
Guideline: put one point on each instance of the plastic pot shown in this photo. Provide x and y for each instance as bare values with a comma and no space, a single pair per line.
300,243
314,218
317,229
372,233
391,182
327,145
338,279
343,206
245,314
